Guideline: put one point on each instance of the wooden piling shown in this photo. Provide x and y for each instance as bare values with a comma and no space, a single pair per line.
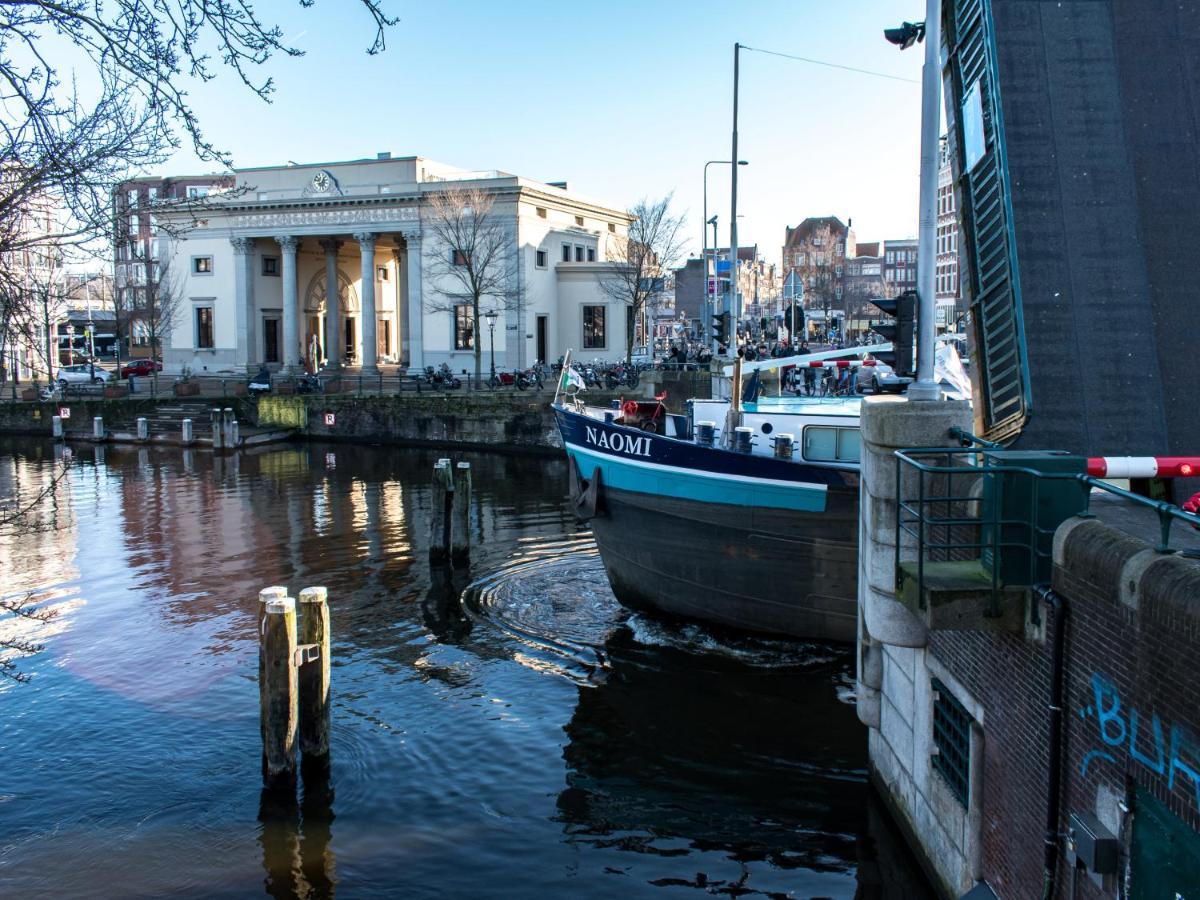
314,672
441,498
218,434
460,525
278,706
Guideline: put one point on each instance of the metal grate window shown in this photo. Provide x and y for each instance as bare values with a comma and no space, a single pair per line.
952,740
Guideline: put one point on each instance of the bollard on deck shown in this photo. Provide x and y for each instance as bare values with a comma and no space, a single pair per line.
277,690
314,671
460,523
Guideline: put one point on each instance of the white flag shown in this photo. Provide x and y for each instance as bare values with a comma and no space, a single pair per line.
571,377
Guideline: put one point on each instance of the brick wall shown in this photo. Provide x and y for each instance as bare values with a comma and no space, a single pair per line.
1132,703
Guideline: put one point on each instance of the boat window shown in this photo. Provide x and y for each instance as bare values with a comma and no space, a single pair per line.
832,444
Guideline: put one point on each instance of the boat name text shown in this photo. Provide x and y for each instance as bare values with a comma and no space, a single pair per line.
621,443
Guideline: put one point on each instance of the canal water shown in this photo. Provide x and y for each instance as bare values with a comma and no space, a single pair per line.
507,730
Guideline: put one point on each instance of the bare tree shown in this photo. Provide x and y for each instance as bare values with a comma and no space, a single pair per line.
642,259
476,258
160,310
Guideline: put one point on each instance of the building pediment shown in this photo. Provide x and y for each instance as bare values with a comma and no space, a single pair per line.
322,184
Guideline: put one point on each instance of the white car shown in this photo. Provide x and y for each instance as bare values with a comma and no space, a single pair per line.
83,373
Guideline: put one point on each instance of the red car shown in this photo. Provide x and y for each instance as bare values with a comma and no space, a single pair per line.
140,367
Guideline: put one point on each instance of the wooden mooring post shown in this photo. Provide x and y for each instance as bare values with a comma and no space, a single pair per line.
278,705
314,671
460,524
441,502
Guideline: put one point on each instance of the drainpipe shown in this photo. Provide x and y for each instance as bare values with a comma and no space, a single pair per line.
1058,617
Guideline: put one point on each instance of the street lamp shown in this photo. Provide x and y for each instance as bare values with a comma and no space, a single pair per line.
491,315
91,348
710,312
929,31
70,345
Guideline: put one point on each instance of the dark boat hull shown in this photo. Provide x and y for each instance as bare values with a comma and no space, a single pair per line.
771,569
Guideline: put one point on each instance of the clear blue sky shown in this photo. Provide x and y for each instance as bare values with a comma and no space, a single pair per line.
622,99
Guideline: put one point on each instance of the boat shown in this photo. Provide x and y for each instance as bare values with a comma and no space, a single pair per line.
739,515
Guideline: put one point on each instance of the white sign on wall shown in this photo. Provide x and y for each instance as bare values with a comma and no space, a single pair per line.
974,144
330,418
64,412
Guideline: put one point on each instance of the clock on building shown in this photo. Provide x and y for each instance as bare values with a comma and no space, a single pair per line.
322,183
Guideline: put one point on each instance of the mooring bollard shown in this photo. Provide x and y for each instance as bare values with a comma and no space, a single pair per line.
228,426
441,498
314,671
98,428
185,436
460,530
214,417
56,427
143,429
278,706
235,435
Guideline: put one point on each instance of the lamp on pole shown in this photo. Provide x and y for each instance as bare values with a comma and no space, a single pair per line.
491,315
929,31
70,345
709,296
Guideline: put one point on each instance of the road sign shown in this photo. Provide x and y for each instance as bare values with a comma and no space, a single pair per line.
330,419
64,412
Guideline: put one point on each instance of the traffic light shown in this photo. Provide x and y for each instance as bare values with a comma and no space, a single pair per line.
899,331
721,328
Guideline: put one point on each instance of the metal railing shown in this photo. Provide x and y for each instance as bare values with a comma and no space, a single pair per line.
948,522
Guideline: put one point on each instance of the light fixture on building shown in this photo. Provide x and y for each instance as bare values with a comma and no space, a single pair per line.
906,35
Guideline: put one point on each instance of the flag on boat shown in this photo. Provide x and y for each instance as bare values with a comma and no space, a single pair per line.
571,377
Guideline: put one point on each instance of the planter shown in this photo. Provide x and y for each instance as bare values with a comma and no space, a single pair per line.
238,389
29,393
186,388
113,391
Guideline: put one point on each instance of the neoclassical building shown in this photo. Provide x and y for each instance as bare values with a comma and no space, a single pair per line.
249,272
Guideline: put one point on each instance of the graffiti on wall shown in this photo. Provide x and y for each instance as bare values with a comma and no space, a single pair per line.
1126,734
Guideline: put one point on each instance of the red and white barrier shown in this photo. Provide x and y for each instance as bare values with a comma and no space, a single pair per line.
838,364
1144,466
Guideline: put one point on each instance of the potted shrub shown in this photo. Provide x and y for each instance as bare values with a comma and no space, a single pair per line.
184,385
113,391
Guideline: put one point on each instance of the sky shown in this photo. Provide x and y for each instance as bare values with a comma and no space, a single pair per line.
624,100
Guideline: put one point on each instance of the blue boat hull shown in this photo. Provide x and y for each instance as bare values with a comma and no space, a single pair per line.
744,542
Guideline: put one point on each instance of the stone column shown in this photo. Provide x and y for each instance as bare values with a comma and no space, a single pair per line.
366,245
244,350
416,338
333,307
291,304
402,346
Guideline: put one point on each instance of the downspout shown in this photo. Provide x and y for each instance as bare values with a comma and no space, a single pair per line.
1058,609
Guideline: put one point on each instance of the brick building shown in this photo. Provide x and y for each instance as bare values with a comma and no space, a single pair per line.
949,303
900,265
864,280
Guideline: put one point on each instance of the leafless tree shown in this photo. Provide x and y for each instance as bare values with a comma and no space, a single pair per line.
476,258
642,259
159,313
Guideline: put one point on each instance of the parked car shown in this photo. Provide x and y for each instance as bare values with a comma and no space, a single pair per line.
881,378
141,367
83,373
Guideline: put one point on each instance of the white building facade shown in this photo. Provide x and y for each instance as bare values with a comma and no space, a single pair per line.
251,271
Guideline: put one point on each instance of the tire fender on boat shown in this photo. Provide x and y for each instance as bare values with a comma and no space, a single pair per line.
586,494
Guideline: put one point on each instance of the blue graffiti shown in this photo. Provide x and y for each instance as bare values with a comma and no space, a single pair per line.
1125,730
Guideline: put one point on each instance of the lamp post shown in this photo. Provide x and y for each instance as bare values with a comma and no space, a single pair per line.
70,345
710,297
91,348
491,316
930,31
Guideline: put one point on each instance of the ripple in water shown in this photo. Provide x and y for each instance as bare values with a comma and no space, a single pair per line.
555,598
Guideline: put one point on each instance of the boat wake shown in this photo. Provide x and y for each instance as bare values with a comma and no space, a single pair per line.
553,597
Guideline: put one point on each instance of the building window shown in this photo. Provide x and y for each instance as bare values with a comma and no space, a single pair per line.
464,327
381,273
204,328
952,742
133,198
153,226
270,265
194,191
594,337
566,252
591,254
153,192
579,221
458,258
541,212
133,224
202,265
539,258
578,253
612,228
